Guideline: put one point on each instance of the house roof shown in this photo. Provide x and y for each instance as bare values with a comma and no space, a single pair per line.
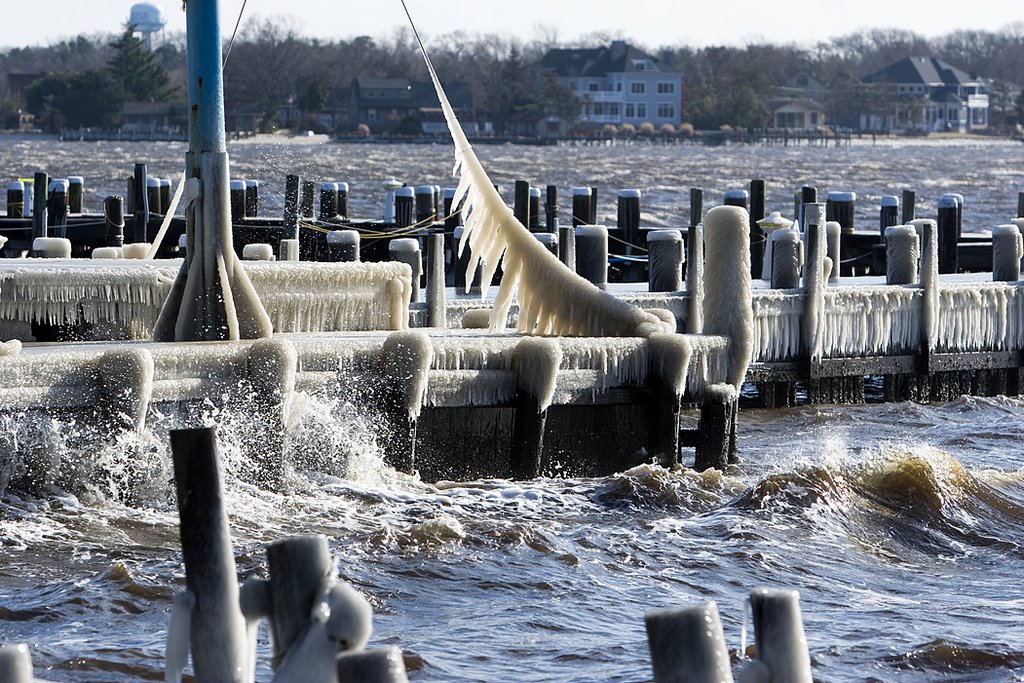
925,70
619,57
406,94
149,108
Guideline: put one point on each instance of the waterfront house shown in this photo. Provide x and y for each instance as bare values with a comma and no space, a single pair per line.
929,95
398,105
617,84
796,113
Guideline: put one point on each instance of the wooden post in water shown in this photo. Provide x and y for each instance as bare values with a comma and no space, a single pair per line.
628,221
407,357
15,664
113,218
57,207
696,206
39,188
536,361
665,254
407,250
1020,205
343,246
889,213
688,645
76,190
758,200
581,198
342,204
141,203
424,202
252,198
271,366
592,254
153,195
218,641
521,202
436,305
534,223
947,224
405,207
551,208
237,200
567,246
15,199
299,567
908,208
695,279
328,201
308,199
290,219
714,439
384,665
779,631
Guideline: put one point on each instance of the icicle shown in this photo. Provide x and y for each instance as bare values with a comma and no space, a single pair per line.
553,299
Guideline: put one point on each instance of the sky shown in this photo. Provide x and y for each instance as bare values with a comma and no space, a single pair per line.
647,23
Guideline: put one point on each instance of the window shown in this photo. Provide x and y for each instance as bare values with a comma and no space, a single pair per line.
666,88
641,110
593,87
630,110
814,118
613,108
666,111
638,87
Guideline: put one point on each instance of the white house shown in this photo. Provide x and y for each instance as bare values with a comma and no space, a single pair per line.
618,84
929,95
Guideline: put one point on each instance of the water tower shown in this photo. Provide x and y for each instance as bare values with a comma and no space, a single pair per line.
147,20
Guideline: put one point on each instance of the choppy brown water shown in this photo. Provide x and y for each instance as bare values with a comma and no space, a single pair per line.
901,525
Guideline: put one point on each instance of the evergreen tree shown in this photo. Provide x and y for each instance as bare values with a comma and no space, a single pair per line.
141,76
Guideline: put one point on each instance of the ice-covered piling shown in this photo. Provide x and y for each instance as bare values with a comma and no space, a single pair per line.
113,219
126,386
628,220
384,665
567,246
551,208
406,357
153,195
592,254
907,204
536,361
779,633
299,568
343,245
39,223
695,278
521,202
217,639
237,194
687,645
716,438
667,375
1007,251
665,260
407,250
258,252
785,259
271,367
436,303
696,207
51,247
727,295
15,664
902,254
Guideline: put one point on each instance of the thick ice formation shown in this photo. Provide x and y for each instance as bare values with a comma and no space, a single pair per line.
727,308
553,300
212,297
298,296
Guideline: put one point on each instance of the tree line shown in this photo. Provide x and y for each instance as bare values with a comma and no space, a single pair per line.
88,78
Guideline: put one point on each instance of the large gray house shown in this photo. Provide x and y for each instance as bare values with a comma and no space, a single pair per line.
929,95
618,84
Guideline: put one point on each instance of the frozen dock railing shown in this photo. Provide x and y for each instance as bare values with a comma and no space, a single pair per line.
125,296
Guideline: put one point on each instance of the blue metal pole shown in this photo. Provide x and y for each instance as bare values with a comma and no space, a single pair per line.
205,78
